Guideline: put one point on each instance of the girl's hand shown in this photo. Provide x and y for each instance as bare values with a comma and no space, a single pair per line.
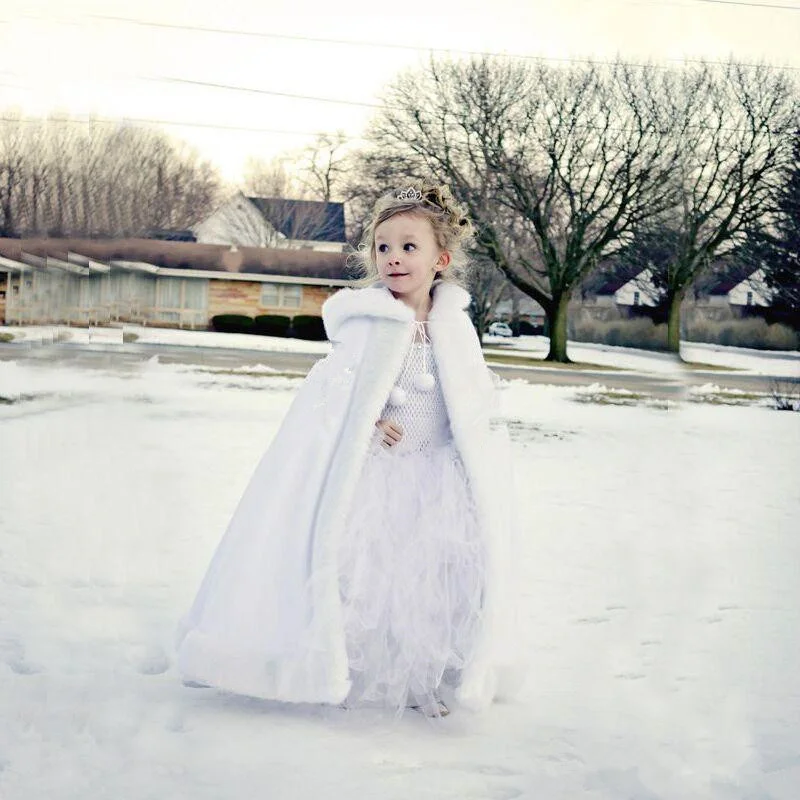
392,432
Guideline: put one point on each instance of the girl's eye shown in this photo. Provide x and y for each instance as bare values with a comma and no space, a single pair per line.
382,248
409,247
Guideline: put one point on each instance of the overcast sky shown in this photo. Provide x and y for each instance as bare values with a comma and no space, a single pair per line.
70,56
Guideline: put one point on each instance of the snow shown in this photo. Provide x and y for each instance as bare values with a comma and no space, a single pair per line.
161,336
775,363
779,363
659,618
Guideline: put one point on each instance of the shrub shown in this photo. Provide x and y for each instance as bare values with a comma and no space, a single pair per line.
743,333
272,325
639,332
752,332
782,337
6,337
309,327
232,323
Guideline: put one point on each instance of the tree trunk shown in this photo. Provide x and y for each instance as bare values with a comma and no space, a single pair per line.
515,313
557,318
674,323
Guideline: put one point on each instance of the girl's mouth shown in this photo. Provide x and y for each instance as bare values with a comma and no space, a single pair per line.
398,274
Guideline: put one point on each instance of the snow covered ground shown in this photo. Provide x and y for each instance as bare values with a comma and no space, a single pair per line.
777,363
660,564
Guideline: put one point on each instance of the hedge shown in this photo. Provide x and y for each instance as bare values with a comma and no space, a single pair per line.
305,326
272,325
232,323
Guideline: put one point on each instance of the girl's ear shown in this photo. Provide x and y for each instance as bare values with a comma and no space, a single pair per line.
443,262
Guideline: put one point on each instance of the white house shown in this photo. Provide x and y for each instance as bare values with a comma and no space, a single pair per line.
237,222
752,291
638,291
275,222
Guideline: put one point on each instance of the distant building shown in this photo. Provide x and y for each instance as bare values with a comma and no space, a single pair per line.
622,293
162,283
305,223
275,222
527,309
640,290
734,293
752,291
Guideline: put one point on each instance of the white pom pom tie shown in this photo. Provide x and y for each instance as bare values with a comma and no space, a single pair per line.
422,381
398,396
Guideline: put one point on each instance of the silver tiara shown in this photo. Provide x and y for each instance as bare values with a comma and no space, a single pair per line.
410,194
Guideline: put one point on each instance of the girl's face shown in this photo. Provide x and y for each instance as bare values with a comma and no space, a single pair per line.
407,256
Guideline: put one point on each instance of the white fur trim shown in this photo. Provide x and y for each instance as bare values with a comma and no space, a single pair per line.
377,301
374,301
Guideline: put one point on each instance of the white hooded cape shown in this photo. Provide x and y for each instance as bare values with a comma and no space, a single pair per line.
267,620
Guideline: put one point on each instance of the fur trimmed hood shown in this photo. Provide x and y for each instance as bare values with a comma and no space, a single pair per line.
377,301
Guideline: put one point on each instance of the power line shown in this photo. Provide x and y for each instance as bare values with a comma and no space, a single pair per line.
414,48
751,5
167,79
326,40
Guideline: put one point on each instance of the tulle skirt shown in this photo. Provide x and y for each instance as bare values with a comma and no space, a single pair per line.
412,576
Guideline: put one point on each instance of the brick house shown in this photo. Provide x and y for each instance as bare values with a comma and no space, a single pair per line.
161,283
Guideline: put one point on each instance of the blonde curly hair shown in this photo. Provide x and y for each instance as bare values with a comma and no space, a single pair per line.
451,227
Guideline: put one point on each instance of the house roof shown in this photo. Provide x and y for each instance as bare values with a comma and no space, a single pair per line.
189,255
170,235
607,282
308,220
719,283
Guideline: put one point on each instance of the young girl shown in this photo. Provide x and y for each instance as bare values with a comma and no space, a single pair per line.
367,560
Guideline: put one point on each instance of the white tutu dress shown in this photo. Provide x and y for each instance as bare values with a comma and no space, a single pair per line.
412,561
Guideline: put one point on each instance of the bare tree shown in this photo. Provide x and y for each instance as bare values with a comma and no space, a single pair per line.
733,145
297,202
488,286
323,166
12,171
271,178
61,177
586,162
565,161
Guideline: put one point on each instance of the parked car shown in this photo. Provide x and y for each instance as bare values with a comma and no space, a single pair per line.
500,329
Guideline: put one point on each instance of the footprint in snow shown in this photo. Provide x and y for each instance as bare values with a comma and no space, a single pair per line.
22,667
152,661
12,653
630,676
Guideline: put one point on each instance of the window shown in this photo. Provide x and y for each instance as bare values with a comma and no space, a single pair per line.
749,298
178,293
169,292
270,295
636,296
195,294
279,295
